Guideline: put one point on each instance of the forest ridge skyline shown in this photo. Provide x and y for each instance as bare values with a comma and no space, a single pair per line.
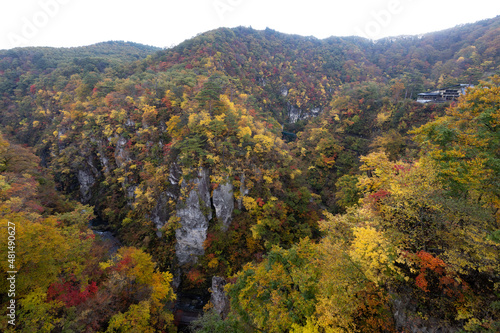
64,23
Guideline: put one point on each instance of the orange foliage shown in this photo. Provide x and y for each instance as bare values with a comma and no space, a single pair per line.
195,277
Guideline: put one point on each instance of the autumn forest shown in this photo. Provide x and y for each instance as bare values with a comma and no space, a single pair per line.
252,181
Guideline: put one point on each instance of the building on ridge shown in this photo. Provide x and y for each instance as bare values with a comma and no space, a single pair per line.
443,95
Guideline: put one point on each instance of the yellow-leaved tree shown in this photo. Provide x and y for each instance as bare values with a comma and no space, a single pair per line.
135,267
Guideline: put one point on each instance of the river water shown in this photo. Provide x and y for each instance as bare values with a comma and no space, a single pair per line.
189,304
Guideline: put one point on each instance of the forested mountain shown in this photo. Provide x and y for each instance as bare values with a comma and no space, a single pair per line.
299,171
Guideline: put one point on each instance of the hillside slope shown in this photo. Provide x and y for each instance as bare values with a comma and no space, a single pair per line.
228,152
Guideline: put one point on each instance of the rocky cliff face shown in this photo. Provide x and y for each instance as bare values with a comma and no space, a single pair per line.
121,154
194,214
161,212
194,211
218,297
295,114
86,181
223,203
197,210
88,177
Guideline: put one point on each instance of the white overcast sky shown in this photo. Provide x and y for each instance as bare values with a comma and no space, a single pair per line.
165,23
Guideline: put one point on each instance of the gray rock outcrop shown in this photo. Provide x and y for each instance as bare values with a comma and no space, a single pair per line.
223,202
121,154
295,114
194,214
86,181
218,297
